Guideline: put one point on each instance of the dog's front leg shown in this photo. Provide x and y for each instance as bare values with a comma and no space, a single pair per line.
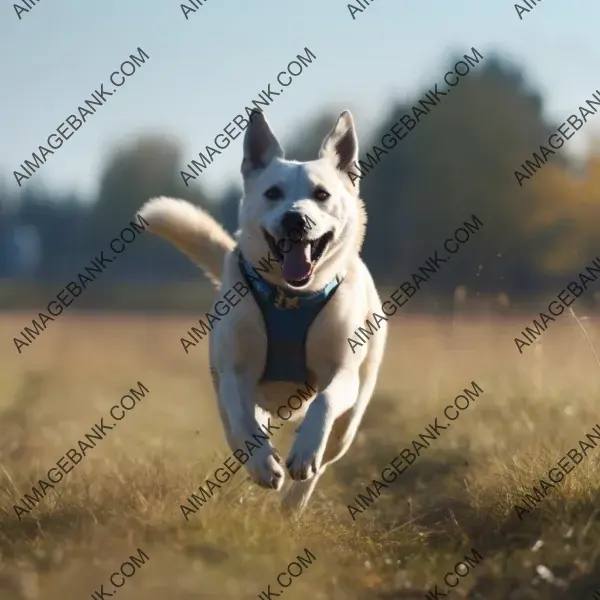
237,398
338,396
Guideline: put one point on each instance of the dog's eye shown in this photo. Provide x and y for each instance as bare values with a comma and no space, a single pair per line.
274,193
321,194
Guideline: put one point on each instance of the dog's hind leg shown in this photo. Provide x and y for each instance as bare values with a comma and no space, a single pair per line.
342,435
297,497
236,406
338,396
347,425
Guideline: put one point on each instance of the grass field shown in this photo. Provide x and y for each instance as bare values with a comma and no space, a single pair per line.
459,495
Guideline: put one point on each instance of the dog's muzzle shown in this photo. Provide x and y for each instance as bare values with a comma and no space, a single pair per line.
298,256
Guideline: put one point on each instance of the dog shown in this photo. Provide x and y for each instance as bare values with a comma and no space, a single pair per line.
329,293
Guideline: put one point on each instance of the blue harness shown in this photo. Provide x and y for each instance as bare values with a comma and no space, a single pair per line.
287,320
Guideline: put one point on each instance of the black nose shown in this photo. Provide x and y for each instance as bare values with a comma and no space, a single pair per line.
293,221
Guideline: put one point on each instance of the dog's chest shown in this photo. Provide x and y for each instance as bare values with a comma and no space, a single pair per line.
287,320
287,331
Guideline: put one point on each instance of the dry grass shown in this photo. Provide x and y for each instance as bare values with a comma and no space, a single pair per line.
459,494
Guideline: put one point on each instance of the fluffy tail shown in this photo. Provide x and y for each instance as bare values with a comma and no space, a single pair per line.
191,230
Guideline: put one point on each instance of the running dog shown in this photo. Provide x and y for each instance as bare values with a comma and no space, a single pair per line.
293,328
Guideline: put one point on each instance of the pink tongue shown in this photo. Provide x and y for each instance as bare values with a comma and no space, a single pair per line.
296,262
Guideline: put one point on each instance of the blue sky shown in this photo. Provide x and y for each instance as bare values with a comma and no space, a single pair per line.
202,71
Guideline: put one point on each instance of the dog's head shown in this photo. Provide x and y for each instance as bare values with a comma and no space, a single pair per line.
301,223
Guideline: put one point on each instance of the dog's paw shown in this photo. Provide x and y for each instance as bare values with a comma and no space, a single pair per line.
265,470
305,458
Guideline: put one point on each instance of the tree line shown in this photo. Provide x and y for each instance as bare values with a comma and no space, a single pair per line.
460,160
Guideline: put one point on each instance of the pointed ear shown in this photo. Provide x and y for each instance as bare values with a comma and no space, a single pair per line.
260,145
341,144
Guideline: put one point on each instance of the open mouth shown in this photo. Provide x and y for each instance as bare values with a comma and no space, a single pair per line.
298,259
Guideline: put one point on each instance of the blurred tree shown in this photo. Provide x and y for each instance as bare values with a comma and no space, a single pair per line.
569,205
458,161
133,174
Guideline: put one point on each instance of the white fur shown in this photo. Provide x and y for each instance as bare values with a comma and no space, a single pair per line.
344,380
191,230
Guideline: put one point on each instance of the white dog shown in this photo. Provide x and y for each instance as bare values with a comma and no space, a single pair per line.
328,293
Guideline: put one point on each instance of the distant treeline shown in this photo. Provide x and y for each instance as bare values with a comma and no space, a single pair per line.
459,160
